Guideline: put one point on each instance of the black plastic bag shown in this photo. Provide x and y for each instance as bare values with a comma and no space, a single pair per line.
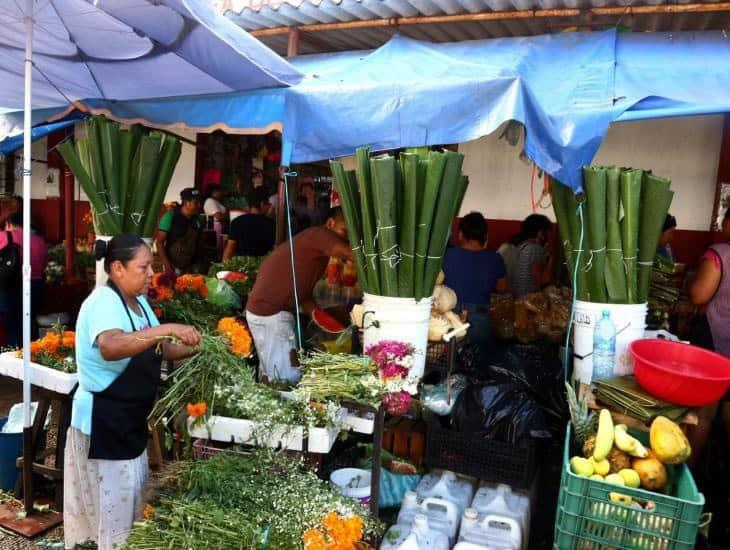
499,411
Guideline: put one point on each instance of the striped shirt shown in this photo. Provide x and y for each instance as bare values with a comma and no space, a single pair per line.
530,253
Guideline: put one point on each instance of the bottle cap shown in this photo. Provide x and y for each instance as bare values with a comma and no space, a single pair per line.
470,513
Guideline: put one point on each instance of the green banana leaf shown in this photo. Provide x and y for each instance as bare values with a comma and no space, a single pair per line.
434,175
615,272
631,183
656,198
594,183
384,174
364,184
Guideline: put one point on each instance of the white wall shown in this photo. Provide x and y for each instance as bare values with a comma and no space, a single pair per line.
184,174
686,150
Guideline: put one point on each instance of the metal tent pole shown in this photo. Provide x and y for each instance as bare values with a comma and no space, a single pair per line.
27,117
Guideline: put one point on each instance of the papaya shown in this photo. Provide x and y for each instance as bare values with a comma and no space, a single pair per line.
668,441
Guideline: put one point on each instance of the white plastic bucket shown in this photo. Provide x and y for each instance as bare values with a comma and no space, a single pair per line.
353,483
630,322
401,319
101,275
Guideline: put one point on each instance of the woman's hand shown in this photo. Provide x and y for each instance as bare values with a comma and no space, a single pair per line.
187,335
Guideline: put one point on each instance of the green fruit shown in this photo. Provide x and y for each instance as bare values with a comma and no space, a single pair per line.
631,477
581,466
601,467
597,477
616,479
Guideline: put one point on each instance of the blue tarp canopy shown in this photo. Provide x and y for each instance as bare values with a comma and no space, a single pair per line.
565,88
410,93
14,143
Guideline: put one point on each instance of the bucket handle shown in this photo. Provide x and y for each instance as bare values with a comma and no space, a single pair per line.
581,357
373,324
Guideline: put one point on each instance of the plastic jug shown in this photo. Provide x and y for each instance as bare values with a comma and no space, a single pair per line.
443,515
448,487
501,500
470,546
496,532
416,537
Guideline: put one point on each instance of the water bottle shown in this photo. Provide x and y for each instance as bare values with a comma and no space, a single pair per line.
604,347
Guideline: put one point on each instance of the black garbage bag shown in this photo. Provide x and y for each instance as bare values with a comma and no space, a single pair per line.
499,411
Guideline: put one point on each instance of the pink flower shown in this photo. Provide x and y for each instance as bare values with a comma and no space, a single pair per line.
387,351
397,403
393,370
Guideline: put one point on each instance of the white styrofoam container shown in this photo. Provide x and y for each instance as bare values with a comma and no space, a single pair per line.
239,430
360,424
41,376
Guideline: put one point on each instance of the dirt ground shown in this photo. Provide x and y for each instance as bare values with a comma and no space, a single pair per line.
11,392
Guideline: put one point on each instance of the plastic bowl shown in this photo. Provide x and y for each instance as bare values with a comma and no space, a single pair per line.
680,373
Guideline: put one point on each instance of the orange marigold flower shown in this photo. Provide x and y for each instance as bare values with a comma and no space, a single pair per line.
313,539
238,336
197,409
68,340
164,293
148,511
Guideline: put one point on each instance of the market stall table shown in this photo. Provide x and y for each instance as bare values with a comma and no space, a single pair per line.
50,386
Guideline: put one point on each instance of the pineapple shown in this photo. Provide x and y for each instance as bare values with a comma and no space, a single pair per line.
583,420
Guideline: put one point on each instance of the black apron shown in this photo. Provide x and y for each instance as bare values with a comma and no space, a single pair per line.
119,413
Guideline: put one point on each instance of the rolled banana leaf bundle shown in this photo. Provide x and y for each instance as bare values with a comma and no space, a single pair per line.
399,213
616,255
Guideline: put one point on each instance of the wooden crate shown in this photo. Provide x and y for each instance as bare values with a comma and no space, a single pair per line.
405,438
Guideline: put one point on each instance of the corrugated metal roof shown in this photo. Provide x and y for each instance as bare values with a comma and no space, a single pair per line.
254,15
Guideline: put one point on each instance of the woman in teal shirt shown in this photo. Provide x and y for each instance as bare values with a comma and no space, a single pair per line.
118,354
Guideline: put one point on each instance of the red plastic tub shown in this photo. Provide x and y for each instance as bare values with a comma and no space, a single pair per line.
680,373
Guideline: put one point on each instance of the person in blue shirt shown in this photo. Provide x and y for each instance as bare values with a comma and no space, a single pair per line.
119,349
474,273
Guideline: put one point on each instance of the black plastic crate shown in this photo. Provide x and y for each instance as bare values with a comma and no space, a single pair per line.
486,459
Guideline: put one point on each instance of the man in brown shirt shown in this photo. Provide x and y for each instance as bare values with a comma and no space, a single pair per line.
270,307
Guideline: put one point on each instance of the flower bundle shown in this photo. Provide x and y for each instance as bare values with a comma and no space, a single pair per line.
242,271
239,338
183,300
191,283
338,533
337,377
161,289
54,350
394,361
270,498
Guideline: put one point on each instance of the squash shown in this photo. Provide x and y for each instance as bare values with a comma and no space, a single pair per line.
668,441
356,315
444,299
438,326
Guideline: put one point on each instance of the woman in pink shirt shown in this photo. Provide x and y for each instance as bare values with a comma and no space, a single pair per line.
711,290
11,302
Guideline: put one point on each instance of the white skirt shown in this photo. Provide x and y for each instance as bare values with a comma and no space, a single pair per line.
101,498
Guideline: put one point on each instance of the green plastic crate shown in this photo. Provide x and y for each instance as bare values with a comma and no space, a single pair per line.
588,520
